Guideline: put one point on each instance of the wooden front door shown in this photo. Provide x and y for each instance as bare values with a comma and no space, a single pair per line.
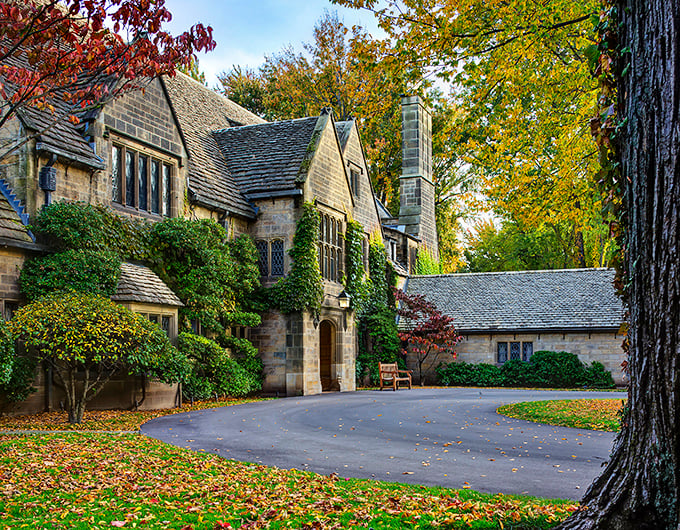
326,347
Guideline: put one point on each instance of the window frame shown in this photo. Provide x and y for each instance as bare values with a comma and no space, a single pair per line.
266,262
331,248
523,347
134,183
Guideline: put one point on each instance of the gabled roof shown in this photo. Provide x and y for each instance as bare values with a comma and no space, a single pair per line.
199,111
555,300
12,227
344,129
56,134
137,283
268,157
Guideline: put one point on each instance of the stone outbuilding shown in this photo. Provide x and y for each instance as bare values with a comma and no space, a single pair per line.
510,315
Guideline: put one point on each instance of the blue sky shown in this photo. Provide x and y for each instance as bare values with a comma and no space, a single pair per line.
246,31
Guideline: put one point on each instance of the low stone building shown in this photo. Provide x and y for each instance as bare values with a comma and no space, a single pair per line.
510,315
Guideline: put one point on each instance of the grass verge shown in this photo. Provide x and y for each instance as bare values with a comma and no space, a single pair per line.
106,420
593,414
88,480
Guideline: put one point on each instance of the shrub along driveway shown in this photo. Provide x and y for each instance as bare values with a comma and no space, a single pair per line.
448,437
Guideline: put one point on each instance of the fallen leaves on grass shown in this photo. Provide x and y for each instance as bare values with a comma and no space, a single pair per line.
594,414
105,420
84,480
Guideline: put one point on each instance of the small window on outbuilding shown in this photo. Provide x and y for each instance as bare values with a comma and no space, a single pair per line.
514,351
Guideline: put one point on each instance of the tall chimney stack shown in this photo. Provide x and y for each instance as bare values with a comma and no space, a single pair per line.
416,188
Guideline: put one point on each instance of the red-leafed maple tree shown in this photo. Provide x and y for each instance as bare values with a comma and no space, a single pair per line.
84,52
428,332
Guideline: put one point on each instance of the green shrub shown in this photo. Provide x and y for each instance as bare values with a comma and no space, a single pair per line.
213,370
487,375
517,373
17,373
469,374
546,369
597,376
82,270
557,369
247,356
6,353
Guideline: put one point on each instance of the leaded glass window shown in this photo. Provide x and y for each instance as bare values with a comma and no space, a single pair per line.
129,178
527,350
502,352
277,257
166,190
141,181
155,185
116,163
263,261
142,166
330,248
514,351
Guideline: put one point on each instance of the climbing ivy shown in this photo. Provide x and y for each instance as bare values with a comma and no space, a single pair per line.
357,286
302,289
426,262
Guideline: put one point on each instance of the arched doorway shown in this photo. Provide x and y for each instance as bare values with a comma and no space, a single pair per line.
326,355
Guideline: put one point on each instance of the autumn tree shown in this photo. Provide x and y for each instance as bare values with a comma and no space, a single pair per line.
344,69
67,56
87,339
524,95
427,332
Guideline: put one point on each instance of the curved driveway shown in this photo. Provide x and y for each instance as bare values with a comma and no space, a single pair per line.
440,437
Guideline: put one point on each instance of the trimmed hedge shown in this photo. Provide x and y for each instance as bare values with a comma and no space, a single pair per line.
546,369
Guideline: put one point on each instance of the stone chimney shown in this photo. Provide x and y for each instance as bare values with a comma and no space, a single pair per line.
416,188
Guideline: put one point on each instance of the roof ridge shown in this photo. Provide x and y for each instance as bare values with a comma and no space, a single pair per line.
500,273
267,123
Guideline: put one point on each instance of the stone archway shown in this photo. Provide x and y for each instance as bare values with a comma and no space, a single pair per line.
327,356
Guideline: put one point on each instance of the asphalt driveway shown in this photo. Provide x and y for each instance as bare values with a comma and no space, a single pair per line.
439,437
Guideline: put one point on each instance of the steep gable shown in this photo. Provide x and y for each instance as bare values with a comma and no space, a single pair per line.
365,209
199,112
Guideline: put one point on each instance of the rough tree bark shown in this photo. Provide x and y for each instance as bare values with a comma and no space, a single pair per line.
639,487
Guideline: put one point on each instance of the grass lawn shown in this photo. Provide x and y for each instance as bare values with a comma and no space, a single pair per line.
108,480
594,414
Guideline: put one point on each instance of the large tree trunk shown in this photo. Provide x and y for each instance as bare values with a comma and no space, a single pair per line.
639,488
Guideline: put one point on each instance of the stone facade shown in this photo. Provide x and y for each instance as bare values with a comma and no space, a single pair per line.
482,348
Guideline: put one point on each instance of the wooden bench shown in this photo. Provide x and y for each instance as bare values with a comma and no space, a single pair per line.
390,375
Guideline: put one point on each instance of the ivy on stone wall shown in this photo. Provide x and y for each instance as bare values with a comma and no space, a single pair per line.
426,263
357,285
302,289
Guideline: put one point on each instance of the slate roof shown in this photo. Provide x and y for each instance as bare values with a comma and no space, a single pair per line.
343,128
267,158
557,300
139,284
12,230
57,135
199,111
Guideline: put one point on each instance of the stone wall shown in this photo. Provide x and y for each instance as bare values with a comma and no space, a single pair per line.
11,262
602,347
326,179
364,203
